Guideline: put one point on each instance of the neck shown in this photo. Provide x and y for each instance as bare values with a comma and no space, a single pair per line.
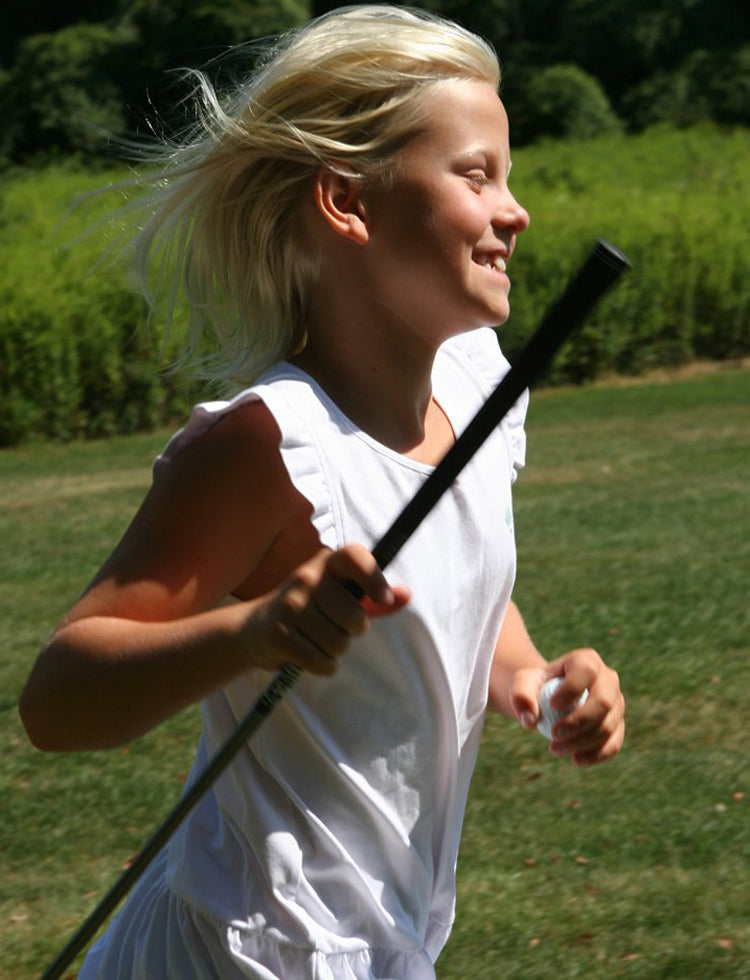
380,375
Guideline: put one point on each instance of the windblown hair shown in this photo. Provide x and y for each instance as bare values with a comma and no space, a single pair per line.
222,231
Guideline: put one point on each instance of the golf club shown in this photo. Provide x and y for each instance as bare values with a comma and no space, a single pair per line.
599,272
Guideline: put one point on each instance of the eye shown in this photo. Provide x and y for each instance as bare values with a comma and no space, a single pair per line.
478,178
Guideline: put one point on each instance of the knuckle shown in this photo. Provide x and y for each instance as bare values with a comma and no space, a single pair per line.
358,557
607,702
614,743
593,659
589,660
607,729
305,578
354,551
293,604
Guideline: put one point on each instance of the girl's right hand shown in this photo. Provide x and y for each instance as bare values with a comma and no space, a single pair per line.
310,619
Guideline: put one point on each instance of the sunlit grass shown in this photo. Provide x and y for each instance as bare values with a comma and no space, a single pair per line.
632,526
632,521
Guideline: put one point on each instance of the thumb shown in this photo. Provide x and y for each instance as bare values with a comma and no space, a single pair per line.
524,695
399,596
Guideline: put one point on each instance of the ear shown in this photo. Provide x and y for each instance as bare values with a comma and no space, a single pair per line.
339,200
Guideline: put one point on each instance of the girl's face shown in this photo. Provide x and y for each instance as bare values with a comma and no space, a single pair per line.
443,232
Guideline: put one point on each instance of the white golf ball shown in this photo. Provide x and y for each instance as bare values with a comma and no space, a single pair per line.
547,714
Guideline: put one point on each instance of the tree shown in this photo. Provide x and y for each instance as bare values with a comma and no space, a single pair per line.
60,95
708,85
67,89
560,101
21,20
623,43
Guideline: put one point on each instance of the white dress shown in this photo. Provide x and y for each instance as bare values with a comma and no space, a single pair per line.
328,849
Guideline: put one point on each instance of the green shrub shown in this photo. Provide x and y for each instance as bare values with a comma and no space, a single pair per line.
561,101
76,360
71,90
60,95
677,202
708,85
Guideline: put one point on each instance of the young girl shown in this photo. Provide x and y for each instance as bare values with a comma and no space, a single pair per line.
345,229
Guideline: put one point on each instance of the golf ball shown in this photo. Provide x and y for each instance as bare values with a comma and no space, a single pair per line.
547,714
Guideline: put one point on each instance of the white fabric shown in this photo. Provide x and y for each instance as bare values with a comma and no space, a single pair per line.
328,849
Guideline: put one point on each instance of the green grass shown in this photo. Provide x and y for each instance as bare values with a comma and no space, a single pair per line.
69,822
632,525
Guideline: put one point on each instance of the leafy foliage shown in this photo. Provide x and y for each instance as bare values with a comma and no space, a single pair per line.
661,196
561,101
75,358
709,84
569,65
63,91
68,91
20,20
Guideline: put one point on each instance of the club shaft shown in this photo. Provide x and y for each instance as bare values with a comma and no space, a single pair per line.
602,268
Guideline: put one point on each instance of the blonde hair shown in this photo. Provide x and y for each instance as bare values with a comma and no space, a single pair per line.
222,231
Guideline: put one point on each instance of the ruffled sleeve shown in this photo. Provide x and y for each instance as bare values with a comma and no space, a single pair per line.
202,418
299,447
482,350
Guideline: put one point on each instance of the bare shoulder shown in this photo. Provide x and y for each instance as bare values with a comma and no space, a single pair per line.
210,521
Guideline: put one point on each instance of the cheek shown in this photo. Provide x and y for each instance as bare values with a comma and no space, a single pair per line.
464,222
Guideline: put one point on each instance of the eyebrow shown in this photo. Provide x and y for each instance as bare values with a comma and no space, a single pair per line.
478,150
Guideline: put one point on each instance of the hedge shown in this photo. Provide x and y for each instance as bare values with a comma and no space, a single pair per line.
76,359
678,203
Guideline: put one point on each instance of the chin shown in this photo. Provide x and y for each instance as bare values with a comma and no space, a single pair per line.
495,318
484,315
494,312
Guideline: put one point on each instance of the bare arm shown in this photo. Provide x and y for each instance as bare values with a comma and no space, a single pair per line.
514,651
152,633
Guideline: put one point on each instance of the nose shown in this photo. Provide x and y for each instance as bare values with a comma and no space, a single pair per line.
510,214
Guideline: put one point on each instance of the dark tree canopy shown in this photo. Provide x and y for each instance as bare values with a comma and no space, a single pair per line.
70,71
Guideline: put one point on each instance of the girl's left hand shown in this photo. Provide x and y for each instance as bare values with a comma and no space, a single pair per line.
591,733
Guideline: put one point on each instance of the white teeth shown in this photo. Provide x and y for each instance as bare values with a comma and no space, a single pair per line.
497,264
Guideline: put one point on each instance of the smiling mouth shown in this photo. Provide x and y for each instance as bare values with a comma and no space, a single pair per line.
494,263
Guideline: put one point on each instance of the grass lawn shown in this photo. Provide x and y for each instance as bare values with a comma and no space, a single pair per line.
632,522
